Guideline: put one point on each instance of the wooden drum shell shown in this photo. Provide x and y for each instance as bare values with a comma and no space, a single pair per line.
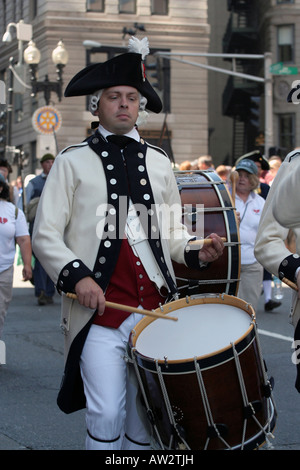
206,187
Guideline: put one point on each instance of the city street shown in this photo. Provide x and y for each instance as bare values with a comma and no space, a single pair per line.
29,382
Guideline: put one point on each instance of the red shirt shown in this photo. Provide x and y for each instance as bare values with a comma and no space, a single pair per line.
129,285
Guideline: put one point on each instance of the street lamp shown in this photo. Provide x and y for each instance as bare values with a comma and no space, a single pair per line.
23,33
32,57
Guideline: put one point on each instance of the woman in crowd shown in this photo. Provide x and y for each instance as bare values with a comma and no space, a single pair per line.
13,229
249,204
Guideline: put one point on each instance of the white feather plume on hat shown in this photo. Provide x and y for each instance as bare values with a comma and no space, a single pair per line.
139,46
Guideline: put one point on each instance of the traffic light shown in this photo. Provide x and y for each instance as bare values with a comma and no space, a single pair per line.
255,111
2,128
158,73
154,64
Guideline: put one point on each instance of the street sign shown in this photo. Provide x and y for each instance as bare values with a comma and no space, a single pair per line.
46,120
280,69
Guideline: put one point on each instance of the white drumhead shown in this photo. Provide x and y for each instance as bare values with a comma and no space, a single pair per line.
200,330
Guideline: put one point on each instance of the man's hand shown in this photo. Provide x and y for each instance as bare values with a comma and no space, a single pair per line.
211,252
90,295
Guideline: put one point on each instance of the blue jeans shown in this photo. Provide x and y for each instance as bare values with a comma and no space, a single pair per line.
42,281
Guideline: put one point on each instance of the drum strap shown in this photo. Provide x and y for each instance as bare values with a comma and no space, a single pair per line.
244,213
141,248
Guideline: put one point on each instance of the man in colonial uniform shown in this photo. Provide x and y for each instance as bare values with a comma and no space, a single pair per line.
98,234
271,249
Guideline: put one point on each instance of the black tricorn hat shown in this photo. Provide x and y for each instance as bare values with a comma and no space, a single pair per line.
255,156
124,69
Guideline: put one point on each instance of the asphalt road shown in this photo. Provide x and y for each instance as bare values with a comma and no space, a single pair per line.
29,381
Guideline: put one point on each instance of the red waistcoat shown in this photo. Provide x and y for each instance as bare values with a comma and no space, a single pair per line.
129,285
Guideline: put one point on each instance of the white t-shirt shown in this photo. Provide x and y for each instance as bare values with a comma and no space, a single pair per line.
10,227
250,213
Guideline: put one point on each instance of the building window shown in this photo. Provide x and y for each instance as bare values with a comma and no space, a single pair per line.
19,10
127,6
95,5
33,9
285,41
159,7
286,124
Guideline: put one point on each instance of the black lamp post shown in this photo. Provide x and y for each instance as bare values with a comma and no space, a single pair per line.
60,58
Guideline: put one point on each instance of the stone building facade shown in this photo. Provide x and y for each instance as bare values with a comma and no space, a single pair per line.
172,25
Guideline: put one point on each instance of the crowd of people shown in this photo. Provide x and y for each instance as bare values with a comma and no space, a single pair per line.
252,187
267,168
16,225
112,260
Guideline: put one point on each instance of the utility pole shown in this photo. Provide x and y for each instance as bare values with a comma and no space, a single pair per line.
269,136
9,108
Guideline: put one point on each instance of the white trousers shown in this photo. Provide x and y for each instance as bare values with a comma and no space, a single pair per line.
112,418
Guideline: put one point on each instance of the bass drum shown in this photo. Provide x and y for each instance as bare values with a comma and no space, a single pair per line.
207,208
203,378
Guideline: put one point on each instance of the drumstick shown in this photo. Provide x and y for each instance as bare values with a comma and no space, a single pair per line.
234,176
128,308
204,241
289,283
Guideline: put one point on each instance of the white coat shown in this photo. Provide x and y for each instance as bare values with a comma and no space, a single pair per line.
270,248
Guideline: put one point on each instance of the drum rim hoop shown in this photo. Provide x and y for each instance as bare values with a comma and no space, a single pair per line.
205,361
185,366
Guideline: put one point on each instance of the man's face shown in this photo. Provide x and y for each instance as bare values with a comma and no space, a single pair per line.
47,165
4,171
259,169
118,109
